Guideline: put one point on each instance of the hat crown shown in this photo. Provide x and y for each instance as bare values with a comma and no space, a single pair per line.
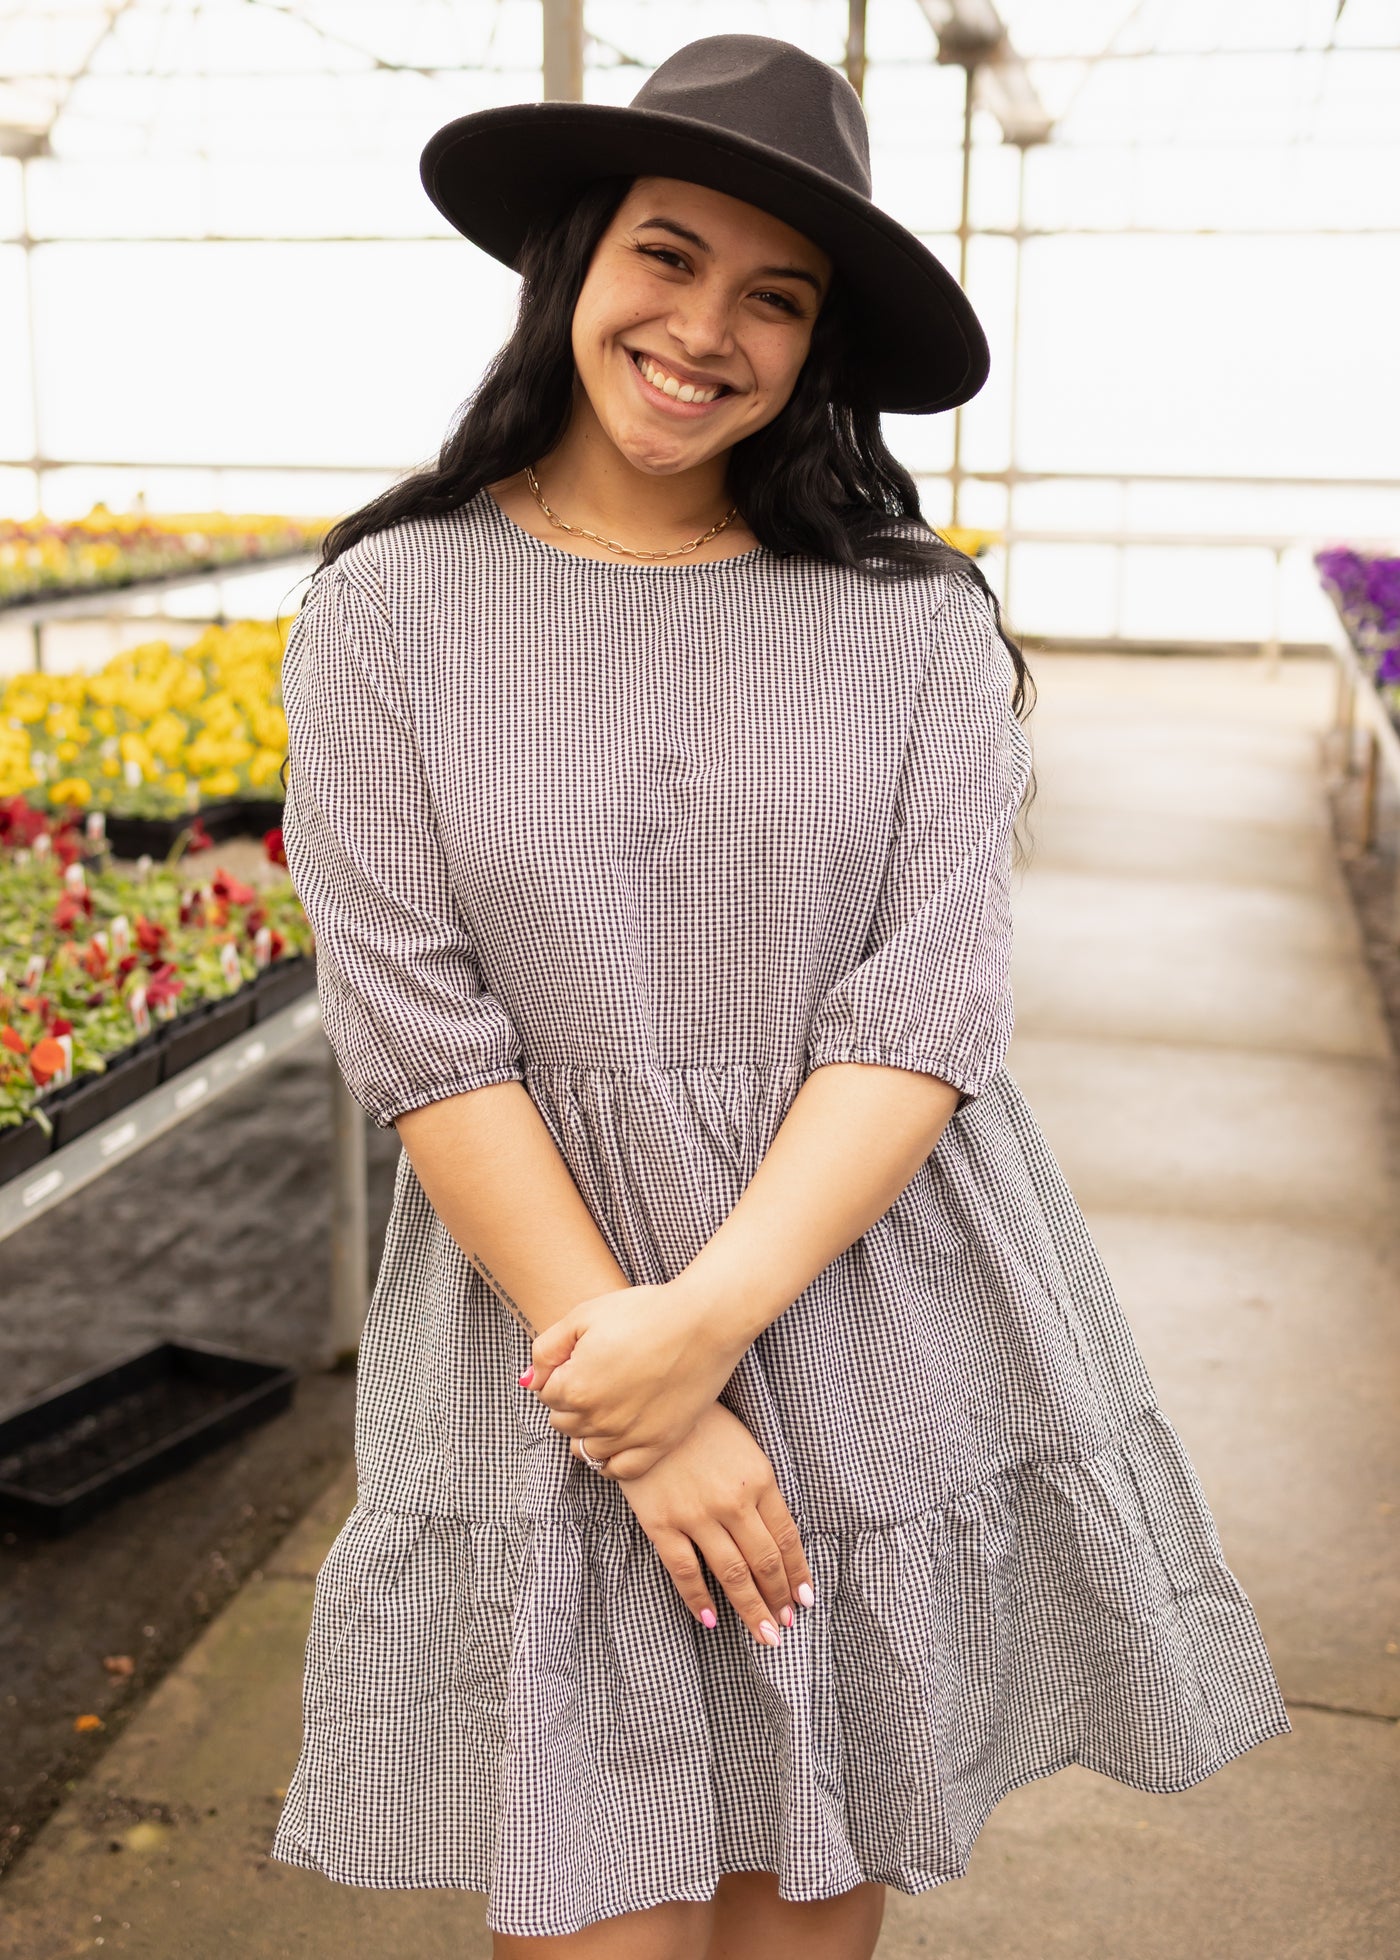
772,93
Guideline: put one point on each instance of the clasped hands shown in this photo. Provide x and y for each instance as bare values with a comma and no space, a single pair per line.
630,1373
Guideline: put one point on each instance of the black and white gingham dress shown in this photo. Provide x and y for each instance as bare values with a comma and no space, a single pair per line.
656,841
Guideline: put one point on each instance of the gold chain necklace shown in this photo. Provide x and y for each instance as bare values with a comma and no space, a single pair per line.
611,543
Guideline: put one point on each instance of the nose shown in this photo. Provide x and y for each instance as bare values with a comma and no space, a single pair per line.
700,321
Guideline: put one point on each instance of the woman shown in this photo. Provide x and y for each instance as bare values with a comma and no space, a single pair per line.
757,1478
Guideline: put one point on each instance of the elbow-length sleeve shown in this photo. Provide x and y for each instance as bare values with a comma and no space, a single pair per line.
932,991
401,991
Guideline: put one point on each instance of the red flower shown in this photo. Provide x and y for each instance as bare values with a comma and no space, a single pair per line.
94,959
199,838
279,945
67,847
126,963
274,846
59,1026
149,936
231,889
163,985
46,1061
20,822
69,907
256,917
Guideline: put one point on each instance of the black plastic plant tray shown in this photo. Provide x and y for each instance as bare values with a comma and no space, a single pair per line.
134,837
90,1099
81,1446
22,1145
192,1036
278,985
261,813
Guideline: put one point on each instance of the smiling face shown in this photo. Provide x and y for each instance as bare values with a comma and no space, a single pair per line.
693,322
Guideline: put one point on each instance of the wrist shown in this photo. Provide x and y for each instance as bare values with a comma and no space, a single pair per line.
728,1308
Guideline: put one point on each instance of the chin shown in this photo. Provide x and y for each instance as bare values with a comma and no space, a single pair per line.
658,454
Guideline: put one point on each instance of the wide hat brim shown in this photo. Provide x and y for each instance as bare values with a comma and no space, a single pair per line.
493,174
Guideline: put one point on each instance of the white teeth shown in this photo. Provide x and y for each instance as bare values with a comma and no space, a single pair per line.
670,384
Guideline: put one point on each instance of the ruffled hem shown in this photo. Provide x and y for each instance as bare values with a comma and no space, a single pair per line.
531,1713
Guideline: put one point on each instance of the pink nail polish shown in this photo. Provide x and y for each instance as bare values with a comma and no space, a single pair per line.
767,1631
785,1615
527,1378
805,1593
707,1618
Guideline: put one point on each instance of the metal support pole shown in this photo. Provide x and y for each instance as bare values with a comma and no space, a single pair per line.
31,318
349,1222
1369,784
1273,646
1012,465
1346,723
970,74
855,45
563,50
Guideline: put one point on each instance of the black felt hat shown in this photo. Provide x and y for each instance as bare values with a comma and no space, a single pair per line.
763,121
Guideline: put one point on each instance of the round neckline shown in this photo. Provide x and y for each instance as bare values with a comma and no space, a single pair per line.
509,525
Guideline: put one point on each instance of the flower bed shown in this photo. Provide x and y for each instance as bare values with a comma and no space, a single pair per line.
155,735
42,559
1365,588
112,981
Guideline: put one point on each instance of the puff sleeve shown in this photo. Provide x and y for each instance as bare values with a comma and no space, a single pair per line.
401,991
932,990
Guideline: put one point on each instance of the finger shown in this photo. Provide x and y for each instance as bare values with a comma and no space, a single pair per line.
779,1520
760,1551
678,1556
730,1569
551,1349
555,1391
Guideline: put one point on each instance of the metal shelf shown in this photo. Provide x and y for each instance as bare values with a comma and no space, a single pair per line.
57,1176
65,1171
109,601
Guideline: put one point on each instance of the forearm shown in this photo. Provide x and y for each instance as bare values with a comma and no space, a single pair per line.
852,1140
494,1176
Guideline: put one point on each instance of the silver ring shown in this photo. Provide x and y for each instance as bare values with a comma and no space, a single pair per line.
593,1462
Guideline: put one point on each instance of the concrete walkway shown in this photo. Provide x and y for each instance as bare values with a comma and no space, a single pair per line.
1201,1044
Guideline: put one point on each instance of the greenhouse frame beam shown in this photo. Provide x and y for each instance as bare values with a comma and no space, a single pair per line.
563,37
1014,232
1004,476
625,60
970,34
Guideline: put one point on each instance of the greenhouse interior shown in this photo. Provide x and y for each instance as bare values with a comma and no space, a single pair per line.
233,316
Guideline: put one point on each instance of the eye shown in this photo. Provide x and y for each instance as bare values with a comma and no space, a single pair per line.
666,252
782,300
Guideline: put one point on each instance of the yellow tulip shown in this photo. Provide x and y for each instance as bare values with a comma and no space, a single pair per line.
70,789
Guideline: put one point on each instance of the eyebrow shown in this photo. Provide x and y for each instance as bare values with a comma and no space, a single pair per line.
763,271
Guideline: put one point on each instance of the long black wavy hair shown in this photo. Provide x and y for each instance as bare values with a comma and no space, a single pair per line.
817,480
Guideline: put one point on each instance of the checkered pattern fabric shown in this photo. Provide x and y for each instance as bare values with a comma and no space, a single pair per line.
657,841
